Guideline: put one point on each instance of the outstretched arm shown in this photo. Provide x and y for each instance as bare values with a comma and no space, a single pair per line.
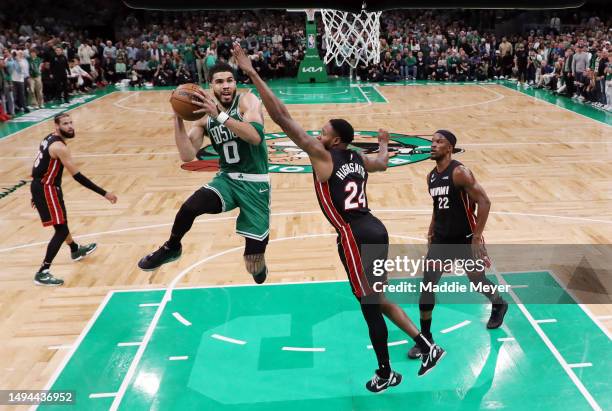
380,162
61,151
319,156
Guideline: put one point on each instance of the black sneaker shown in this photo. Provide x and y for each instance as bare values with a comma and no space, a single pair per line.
44,277
379,384
261,277
158,258
83,251
498,312
415,351
431,359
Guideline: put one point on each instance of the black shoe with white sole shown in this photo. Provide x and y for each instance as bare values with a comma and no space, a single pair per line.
159,257
431,359
415,351
378,384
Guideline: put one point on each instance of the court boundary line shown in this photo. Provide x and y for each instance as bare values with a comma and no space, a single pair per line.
549,344
4,138
584,308
110,293
68,356
509,86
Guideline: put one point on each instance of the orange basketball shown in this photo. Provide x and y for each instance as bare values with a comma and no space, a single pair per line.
181,101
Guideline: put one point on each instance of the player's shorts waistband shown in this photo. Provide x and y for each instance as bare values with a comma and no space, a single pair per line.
258,178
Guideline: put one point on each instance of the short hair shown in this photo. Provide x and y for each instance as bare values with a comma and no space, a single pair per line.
219,68
343,129
60,116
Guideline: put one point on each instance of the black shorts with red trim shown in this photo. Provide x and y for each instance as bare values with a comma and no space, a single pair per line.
359,265
443,249
49,202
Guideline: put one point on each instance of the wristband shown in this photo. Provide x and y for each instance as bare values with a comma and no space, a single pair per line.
222,117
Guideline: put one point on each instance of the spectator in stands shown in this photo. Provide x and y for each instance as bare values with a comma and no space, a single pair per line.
120,69
80,79
59,73
580,62
85,53
505,51
35,81
6,93
200,55
16,71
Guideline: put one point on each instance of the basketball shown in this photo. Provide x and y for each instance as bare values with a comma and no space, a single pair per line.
181,101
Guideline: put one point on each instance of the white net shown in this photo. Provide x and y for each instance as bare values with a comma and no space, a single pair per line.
351,38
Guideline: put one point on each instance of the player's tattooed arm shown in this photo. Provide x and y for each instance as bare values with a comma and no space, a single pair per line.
320,157
463,177
188,144
380,162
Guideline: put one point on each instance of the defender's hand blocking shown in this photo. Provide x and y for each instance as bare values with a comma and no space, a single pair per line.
383,136
244,62
207,104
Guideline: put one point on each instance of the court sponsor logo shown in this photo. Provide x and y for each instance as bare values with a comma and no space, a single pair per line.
5,191
286,157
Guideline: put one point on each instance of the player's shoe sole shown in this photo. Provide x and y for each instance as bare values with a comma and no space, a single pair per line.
165,262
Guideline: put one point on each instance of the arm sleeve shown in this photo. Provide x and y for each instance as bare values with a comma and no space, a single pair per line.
85,182
260,130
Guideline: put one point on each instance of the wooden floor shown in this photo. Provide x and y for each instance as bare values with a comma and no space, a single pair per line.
547,171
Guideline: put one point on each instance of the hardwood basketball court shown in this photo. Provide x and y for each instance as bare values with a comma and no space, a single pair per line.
546,169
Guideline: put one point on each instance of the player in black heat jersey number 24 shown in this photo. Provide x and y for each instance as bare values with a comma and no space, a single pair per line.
340,178
455,232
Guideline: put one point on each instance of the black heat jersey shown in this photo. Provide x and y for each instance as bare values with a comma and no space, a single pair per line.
454,212
343,197
48,170
344,203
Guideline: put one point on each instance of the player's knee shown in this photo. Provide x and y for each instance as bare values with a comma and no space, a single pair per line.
61,230
426,307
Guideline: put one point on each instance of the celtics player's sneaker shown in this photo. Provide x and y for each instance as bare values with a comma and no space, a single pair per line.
83,251
161,256
44,277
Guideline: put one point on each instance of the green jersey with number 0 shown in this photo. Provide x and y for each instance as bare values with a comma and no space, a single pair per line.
235,154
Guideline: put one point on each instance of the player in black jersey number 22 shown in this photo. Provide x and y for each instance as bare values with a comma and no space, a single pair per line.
460,211
340,178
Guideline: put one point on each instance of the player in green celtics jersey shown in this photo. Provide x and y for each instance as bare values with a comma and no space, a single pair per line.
234,124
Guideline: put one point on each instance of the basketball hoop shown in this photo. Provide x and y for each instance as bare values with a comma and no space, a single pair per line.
310,14
351,38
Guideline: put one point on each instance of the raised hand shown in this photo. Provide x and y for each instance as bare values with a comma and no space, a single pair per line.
244,62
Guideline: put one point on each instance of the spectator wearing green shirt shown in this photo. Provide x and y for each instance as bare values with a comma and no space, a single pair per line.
211,57
200,53
187,52
35,81
410,68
